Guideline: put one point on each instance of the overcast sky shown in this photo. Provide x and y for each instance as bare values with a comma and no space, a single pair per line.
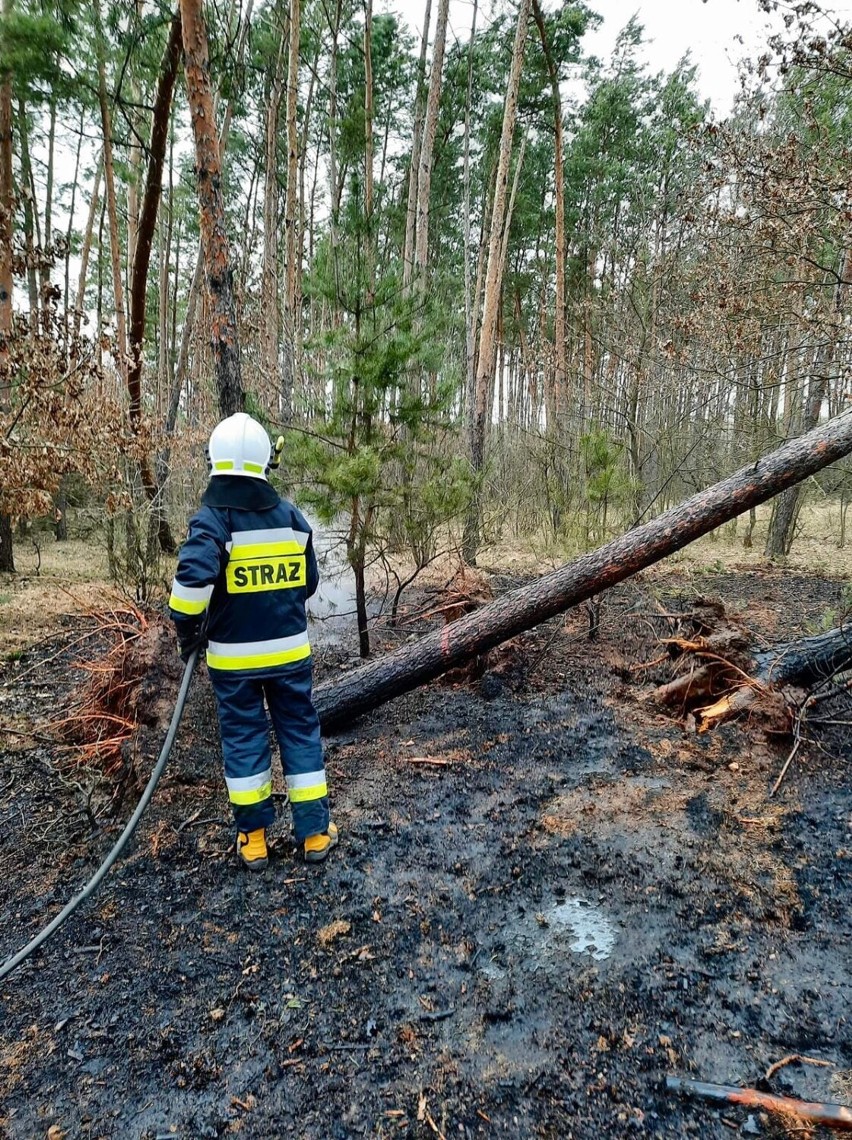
717,33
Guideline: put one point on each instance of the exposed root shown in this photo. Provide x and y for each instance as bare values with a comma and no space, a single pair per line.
709,655
715,663
113,703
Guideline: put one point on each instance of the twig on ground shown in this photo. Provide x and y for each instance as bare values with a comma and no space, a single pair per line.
428,1118
797,741
437,1014
435,761
649,664
27,734
836,1116
18,677
831,691
793,1057
202,822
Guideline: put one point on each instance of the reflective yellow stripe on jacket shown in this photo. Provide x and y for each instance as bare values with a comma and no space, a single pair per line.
258,654
191,600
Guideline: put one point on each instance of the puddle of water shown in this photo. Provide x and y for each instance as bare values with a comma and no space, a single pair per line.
594,933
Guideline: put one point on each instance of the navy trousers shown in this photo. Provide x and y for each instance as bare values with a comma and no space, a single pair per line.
247,755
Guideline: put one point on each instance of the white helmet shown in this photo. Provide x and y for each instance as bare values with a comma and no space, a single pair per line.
239,446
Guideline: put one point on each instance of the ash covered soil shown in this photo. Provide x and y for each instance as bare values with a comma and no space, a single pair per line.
547,898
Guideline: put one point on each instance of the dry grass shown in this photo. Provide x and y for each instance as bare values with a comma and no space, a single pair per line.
72,579
841,1086
815,549
16,1058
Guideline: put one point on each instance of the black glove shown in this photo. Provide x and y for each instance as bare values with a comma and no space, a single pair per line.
191,636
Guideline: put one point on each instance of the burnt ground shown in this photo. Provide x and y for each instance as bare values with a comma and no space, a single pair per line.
547,898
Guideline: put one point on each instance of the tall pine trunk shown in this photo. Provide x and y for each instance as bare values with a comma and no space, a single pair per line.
269,299
414,164
430,126
292,214
558,396
787,506
477,415
214,235
7,221
120,346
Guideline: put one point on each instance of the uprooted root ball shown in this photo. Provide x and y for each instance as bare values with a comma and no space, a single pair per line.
127,698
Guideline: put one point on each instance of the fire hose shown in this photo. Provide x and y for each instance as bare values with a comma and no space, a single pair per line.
12,963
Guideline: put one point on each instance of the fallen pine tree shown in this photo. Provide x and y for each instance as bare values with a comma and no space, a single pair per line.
475,633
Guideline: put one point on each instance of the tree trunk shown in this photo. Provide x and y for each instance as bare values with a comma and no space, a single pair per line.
120,350
594,572
782,523
477,415
414,164
469,321
146,222
79,304
214,236
44,266
7,222
29,218
292,215
558,398
69,233
269,293
430,126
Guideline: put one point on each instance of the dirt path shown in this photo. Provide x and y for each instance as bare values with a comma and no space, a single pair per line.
546,900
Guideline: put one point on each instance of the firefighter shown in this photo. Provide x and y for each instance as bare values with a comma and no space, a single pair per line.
244,574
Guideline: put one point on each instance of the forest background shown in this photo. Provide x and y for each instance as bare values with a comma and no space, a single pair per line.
486,285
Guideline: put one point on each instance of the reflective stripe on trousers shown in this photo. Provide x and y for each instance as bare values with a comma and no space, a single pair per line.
245,747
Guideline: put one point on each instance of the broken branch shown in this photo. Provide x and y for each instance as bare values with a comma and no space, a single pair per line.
838,1116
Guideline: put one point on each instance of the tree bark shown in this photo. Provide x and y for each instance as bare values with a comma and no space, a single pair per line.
594,572
146,223
414,165
29,198
7,222
269,293
558,397
80,302
292,215
47,296
469,319
477,415
430,126
112,207
782,523
214,236
146,226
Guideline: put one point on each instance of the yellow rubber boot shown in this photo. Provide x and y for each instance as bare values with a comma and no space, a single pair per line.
317,847
251,848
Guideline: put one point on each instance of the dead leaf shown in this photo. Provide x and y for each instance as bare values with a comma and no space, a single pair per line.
217,1014
327,934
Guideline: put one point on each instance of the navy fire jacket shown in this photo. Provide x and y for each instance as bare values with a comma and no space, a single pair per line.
248,564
